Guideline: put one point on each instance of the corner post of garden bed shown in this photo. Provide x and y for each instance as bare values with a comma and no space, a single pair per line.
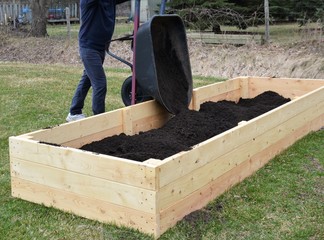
244,86
155,165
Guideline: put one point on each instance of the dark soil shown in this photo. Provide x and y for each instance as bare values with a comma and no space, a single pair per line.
186,129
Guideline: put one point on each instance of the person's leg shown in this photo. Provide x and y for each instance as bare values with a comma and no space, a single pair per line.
80,95
93,63
94,76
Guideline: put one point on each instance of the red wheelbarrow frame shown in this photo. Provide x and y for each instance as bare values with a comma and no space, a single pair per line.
133,38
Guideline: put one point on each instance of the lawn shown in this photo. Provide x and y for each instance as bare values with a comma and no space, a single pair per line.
283,200
282,34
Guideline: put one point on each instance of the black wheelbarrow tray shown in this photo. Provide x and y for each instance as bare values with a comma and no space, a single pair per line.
163,68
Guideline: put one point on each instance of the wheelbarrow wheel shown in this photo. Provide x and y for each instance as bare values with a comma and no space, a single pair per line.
126,93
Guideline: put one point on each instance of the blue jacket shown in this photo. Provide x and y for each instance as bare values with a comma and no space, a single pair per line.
97,22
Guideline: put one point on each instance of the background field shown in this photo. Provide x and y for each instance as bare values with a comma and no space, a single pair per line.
284,200
294,52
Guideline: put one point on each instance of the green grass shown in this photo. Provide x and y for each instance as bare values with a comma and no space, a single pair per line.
281,34
34,97
284,200
284,34
60,30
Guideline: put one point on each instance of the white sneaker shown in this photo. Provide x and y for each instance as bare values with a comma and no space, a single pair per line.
71,118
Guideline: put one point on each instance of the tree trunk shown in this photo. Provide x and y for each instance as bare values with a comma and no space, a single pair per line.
266,14
39,20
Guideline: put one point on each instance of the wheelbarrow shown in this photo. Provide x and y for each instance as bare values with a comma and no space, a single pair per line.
161,66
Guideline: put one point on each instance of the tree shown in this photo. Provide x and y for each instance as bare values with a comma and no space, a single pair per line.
39,20
242,13
307,8
200,14
291,10
266,14
250,10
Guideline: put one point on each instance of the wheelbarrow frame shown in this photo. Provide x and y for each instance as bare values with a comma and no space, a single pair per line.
133,38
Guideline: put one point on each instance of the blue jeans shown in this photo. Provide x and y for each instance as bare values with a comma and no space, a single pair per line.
93,76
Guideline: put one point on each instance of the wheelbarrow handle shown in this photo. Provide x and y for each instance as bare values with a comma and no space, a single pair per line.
162,8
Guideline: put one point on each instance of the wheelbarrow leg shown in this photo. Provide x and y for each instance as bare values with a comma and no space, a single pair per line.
136,26
162,8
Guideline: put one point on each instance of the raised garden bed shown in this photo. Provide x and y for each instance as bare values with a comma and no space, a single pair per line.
154,194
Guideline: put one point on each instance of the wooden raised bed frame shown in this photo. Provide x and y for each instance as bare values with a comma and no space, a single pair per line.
227,38
152,196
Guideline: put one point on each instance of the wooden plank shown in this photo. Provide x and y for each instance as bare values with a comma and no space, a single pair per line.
200,198
262,158
221,144
227,90
97,165
287,87
229,96
150,122
87,207
87,186
52,21
146,109
237,39
181,187
76,134
245,87
79,142
138,118
130,120
127,121
143,117
147,116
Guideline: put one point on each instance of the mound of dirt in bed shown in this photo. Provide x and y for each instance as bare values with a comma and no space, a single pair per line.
186,129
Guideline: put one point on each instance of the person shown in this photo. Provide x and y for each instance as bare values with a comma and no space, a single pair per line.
96,30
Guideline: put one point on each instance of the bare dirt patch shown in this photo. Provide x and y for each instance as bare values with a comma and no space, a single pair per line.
302,60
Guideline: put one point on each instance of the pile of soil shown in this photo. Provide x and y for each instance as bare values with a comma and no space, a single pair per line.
186,129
